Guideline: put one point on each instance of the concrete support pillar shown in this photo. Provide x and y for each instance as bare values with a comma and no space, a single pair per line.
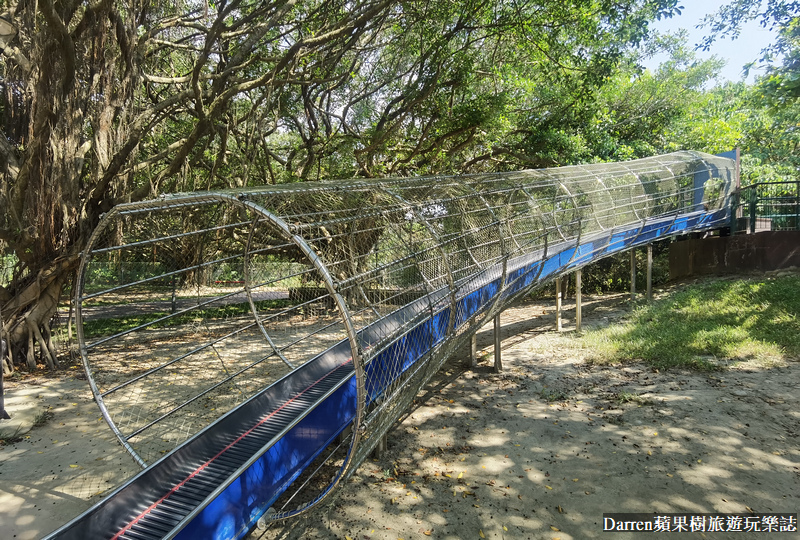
633,274
578,307
498,361
649,272
558,304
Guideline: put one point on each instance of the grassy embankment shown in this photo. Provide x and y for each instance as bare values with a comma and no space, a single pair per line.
708,326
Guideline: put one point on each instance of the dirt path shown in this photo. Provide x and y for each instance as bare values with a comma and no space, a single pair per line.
541,450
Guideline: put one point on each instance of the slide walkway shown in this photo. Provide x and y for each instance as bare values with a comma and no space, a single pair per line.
250,348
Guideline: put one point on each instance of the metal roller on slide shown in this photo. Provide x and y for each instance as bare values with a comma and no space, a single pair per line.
249,348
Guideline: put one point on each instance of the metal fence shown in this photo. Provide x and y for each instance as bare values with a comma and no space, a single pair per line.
382,279
768,206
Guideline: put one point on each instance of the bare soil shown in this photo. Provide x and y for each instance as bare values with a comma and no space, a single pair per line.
540,450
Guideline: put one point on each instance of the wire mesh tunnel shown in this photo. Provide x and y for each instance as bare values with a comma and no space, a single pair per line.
287,327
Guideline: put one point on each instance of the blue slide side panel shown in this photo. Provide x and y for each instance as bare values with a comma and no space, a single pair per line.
467,307
524,277
554,264
588,251
233,512
409,348
619,240
475,301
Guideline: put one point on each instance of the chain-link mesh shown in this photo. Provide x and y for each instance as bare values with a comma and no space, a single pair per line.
190,305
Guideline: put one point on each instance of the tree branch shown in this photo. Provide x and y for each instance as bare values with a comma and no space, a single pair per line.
67,45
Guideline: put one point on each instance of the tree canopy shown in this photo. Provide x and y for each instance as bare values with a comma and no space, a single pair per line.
120,100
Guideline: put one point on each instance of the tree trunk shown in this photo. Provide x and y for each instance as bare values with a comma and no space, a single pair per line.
27,315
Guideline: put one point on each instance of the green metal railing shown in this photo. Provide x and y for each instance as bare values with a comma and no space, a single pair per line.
767,206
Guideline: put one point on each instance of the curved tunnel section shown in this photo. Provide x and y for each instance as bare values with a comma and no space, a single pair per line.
250,348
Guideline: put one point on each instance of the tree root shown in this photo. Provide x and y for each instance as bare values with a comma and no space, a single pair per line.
34,326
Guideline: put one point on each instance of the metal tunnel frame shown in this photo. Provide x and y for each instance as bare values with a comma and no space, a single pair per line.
243,343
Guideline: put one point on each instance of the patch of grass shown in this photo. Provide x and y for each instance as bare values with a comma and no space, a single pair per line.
42,418
629,397
708,323
553,395
10,437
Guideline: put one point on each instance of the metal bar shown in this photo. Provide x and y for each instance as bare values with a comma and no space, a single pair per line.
198,396
633,274
155,278
174,360
734,206
160,319
170,237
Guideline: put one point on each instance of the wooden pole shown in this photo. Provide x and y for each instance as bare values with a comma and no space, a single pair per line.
380,449
473,351
558,304
498,361
649,272
578,307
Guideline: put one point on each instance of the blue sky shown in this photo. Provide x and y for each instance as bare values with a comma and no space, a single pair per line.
737,52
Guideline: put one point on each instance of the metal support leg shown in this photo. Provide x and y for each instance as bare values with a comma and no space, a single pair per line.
558,304
578,307
498,361
633,274
473,351
649,272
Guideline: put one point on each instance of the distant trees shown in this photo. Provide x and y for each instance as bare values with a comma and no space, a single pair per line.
769,126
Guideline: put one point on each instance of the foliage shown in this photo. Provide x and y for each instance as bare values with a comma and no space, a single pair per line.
106,102
726,320
771,108
613,274
639,113
782,83
771,14
715,121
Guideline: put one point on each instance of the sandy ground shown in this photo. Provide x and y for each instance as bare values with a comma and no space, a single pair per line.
539,451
